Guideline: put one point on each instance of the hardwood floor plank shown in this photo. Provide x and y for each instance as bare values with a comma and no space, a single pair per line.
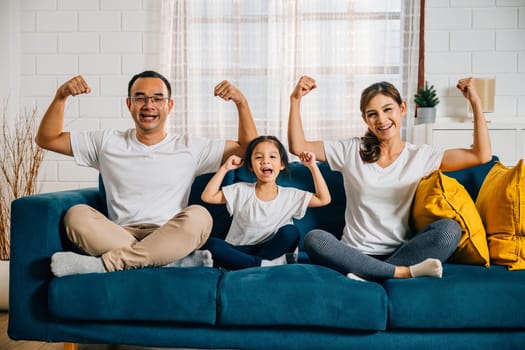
7,344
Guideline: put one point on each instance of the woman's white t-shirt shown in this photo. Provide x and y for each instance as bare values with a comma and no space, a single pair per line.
254,220
378,200
146,184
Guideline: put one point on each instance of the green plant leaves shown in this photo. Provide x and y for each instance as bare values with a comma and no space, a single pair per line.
427,96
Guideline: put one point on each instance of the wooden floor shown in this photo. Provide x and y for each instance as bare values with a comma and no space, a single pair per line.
7,344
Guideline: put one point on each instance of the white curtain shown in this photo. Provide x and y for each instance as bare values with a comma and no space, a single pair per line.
264,46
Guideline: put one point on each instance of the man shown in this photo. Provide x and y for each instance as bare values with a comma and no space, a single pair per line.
147,175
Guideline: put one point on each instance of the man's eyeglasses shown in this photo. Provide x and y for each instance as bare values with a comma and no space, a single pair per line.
157,100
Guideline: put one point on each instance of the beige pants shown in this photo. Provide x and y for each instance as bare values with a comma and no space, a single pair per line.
128,247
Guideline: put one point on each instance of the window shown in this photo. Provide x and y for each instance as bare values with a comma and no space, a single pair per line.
264,46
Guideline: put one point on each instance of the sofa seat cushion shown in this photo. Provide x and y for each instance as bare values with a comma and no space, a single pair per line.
466,297
300,295
156,294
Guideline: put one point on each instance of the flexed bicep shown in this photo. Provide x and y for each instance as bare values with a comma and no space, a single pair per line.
51,134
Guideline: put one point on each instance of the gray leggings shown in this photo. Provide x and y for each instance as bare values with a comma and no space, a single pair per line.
437,240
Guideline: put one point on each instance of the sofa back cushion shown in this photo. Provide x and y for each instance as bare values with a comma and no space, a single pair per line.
472,178
330,217
221,218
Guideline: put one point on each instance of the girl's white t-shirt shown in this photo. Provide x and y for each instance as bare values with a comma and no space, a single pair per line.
378,200
146,184
254,220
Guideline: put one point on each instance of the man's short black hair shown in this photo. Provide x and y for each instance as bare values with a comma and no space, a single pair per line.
149,74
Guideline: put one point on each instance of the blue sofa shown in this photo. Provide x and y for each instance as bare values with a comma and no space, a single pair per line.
301,306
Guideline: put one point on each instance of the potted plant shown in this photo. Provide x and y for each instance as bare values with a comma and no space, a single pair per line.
426,100
20,160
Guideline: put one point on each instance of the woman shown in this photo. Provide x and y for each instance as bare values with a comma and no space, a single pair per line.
381,173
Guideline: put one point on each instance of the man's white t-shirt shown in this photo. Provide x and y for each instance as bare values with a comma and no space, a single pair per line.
146,184
254,220
378,200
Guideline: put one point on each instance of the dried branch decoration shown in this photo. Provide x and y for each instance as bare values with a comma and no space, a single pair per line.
20,160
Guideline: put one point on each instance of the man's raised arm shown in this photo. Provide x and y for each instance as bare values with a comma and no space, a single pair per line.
247,130
51,134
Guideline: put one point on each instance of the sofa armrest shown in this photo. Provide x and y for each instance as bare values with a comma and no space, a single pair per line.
36,233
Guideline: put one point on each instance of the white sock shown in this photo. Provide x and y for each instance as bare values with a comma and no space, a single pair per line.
428,267
69,263
355,277
197,258
274,262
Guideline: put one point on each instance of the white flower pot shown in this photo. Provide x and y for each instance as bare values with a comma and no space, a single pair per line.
425,115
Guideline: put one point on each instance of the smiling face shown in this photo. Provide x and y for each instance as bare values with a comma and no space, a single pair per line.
149,116
384,116
266,161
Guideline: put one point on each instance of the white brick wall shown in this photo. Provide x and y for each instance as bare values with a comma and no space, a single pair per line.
108,41
479,38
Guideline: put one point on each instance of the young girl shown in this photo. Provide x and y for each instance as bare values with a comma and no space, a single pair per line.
262,231
381,173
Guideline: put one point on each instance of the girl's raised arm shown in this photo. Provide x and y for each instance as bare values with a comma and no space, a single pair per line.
212,193
322,194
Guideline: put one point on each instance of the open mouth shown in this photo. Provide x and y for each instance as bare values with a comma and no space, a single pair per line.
267,171
148,117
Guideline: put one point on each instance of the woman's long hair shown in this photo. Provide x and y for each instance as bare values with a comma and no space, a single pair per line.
369,149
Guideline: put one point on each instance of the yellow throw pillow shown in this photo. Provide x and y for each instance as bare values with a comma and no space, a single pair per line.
501,207
439,196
